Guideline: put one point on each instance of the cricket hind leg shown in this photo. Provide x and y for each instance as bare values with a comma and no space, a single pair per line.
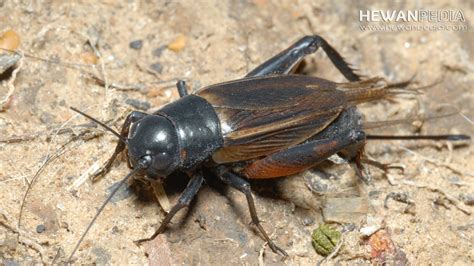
244,186
184,200
302,157
286,61
131,118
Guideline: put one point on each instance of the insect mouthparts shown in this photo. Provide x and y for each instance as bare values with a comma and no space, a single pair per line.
144,162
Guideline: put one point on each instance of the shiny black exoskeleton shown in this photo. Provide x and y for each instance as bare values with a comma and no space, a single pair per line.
179,136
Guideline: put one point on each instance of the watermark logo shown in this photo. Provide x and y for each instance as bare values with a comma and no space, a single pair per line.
433,16
421,20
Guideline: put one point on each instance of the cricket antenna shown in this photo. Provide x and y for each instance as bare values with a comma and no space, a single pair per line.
142,164
101,124
414,137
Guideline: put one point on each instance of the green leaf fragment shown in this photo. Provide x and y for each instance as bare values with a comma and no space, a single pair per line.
325,239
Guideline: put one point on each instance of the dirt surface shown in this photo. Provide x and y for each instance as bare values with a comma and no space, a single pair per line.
207,42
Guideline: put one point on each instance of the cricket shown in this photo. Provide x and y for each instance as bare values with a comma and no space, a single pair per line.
235,132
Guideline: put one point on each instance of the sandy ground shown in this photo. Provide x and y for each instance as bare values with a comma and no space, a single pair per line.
213,41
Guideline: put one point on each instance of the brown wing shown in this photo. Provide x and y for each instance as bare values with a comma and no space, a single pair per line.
260,116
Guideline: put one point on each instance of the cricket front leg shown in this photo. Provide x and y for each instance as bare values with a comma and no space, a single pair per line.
286,61
131,118
184,200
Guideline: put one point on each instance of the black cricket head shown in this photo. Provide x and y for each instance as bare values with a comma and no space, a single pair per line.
152,144
154,139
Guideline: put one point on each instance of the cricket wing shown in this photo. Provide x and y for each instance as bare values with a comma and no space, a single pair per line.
260,116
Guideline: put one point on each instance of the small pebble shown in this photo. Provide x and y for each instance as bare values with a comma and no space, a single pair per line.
89,58
60,206
115,230
307,221
136,45
7,61
47,118
40,228
157,67
348,227
373,225
177,44
158,51
468,199
9,40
